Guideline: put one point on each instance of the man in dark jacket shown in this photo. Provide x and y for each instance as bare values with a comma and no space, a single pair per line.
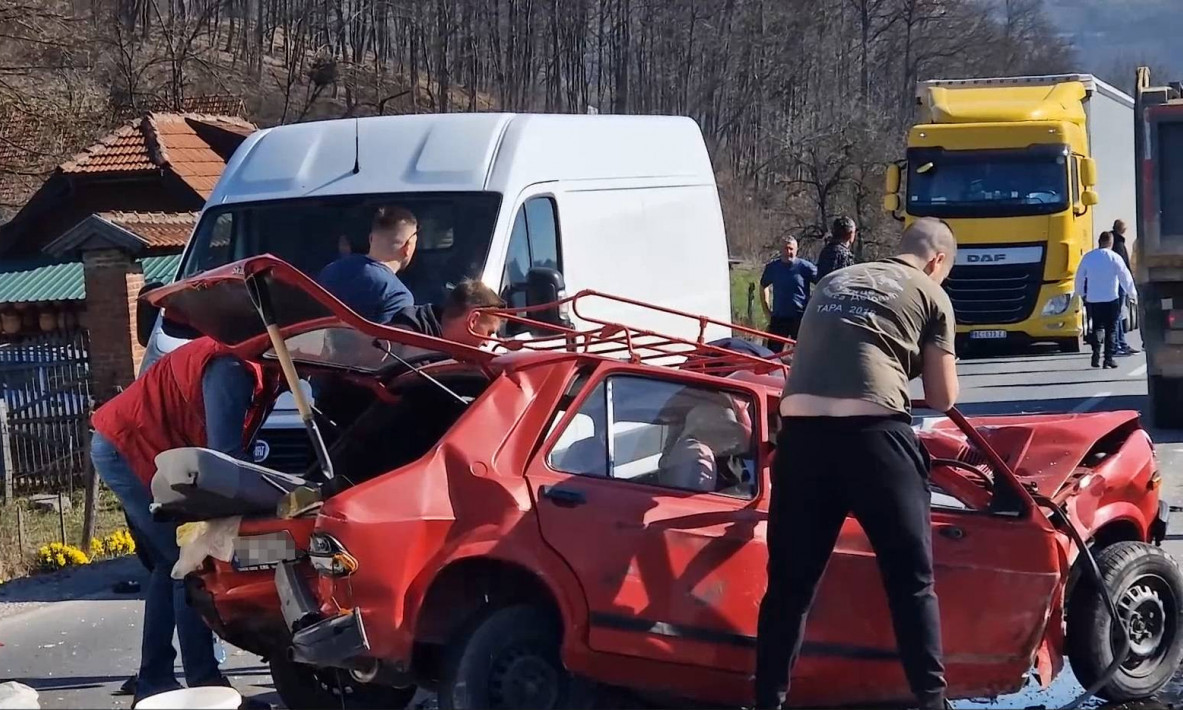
451,320
1119,248
837,254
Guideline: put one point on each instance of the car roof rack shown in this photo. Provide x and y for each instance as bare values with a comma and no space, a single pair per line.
609,338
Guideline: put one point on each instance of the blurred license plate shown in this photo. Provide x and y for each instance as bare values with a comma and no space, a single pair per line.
987,335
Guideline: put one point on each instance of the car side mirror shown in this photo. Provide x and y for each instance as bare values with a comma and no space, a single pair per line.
545,286
146,313
1088,198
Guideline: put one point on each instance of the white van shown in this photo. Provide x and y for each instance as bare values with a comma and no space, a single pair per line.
621,204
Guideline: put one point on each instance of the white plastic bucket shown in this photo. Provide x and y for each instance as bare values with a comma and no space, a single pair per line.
210,698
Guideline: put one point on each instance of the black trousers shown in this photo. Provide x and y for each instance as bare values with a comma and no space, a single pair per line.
785,327
826,468
1105,316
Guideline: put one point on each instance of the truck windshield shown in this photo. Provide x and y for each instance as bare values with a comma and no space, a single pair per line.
988,183
453,239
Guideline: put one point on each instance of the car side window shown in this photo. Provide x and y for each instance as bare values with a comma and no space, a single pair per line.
661,433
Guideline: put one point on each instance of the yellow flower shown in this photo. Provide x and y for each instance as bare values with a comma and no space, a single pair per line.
57,556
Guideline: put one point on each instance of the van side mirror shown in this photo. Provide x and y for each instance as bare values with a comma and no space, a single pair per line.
146,313
1088,198
893,179
543,286
1088,172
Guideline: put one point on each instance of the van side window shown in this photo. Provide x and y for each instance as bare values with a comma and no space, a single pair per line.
534,242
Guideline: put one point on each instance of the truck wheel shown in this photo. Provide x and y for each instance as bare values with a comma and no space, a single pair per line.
1166,398
1147,587
510,659
1068,345
303,687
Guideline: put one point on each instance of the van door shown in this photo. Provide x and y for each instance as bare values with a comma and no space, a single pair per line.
533,243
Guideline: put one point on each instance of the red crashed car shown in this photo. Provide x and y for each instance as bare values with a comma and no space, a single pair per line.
512,530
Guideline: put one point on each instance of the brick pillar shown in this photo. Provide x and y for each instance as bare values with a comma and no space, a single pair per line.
113,279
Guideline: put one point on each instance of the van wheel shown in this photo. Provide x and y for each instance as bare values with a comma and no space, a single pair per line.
510,659
303,687
1147,587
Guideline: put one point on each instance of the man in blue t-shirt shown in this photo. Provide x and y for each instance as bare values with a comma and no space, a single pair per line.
368,283
784,291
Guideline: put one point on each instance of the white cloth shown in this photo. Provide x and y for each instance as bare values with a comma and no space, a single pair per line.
1100,274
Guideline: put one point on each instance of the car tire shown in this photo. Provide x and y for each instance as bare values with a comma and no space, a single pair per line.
302,687
1165,396
1068,345
510,659
1147,587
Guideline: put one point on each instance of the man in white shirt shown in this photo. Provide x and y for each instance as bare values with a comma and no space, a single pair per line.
1099,279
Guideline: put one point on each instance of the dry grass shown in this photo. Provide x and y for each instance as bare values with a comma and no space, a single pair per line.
16,560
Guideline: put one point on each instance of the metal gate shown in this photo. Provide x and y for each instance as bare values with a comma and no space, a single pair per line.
44,412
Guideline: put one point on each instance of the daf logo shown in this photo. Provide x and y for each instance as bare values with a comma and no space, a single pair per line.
985,258
262,451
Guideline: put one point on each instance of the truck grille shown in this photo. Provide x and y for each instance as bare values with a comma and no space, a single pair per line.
994,295
288,450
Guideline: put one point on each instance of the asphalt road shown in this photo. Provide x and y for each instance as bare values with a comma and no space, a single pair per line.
77,652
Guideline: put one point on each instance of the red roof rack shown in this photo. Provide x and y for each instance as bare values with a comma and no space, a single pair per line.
638,345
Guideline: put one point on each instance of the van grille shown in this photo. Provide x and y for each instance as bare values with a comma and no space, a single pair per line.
290,451
989,295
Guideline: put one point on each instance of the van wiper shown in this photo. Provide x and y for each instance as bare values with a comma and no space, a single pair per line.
381,345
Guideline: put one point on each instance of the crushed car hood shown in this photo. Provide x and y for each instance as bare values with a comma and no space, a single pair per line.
1043,449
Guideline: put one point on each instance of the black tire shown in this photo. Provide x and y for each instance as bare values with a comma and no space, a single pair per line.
510,659
1068,345
303,687
1147,587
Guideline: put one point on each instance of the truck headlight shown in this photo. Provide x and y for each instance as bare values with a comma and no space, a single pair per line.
1057,304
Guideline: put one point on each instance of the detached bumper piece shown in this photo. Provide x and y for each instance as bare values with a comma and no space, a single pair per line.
335,642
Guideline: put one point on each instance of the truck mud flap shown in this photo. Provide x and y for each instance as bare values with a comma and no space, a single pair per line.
1158,527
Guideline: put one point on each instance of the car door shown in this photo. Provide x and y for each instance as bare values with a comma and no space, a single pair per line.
671,573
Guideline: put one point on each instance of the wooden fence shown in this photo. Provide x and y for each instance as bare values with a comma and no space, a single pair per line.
45,407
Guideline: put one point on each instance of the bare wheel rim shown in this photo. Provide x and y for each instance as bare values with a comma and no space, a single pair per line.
522,678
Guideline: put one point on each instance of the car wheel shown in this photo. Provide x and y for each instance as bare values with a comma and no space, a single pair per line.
1147,587
303,687
510,659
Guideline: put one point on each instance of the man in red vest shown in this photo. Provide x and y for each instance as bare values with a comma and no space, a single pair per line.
197,395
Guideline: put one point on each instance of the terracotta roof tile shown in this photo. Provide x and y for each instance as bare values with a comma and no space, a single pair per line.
162,140
155,229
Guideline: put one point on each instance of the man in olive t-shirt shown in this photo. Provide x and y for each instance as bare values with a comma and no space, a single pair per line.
846,446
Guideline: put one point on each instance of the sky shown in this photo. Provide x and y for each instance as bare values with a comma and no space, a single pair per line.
1112,36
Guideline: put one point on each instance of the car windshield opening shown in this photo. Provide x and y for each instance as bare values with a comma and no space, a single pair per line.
995,183
455,230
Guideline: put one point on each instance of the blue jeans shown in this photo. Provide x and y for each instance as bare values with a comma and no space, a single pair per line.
164,604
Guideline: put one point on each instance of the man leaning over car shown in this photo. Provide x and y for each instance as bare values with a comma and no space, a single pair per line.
869,329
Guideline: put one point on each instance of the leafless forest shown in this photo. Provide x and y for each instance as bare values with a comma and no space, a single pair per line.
801,101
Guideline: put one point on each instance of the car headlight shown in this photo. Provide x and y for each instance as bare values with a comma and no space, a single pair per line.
1057,304
329,557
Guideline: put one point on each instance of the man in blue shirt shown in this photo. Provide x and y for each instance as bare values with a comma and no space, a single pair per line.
368,283
784,291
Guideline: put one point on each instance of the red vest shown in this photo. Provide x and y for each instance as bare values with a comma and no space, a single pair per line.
164,409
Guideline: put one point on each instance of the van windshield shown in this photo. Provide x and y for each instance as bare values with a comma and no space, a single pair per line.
988,183
455,230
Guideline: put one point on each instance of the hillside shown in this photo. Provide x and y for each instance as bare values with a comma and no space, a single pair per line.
1112,36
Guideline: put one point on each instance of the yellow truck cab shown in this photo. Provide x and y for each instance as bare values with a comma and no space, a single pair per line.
1027,171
